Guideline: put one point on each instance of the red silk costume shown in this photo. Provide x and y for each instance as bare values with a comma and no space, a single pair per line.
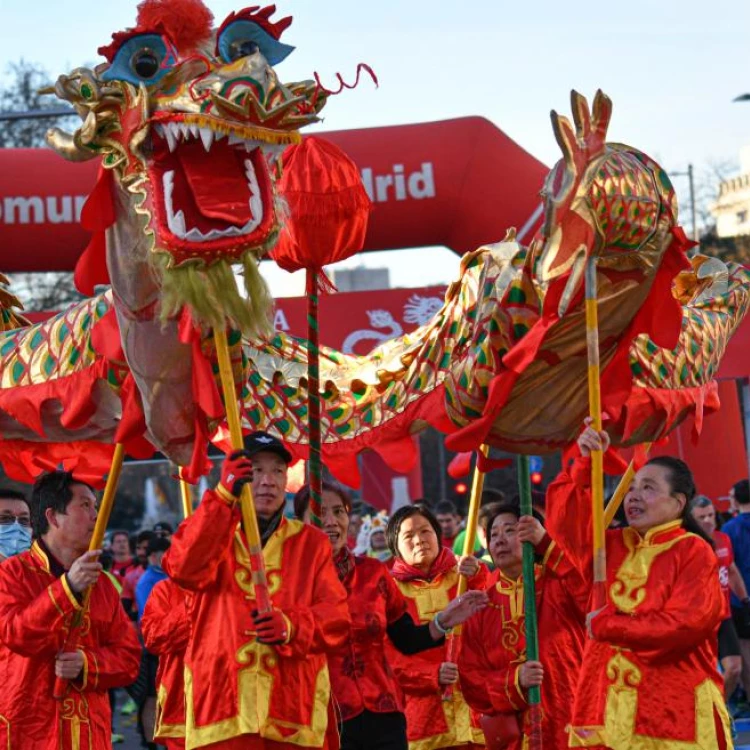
493,647
238,692
431,721
165,626
36,610
649,678
361,676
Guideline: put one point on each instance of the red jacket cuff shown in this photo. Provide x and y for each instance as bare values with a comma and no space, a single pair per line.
544,545
601,625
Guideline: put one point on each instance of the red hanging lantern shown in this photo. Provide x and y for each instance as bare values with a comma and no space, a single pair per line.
328,206
328,209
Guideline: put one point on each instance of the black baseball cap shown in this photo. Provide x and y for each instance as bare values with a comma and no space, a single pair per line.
163,526
256,442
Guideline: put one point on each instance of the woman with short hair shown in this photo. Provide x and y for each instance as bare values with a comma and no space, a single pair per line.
427,574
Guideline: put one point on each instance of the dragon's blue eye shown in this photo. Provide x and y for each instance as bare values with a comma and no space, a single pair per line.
243,38
241,48
144,58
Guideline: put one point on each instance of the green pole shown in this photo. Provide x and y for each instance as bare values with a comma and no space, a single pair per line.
529,604
315,464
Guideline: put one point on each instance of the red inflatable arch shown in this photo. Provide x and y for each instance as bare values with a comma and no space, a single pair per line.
458,183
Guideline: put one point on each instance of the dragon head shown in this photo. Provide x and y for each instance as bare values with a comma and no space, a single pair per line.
602,199
191,120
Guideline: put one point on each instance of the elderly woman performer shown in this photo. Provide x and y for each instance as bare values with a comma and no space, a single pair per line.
649,676
495,672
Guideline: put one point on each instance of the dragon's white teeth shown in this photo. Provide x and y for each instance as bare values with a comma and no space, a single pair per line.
255,202
252,180
195,234
174,132
175,222
171,136
168,183
179,224
168,187
207,136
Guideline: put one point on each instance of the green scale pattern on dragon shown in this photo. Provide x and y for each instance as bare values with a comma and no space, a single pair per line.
189,122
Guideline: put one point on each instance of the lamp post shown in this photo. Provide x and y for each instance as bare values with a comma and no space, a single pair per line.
691,183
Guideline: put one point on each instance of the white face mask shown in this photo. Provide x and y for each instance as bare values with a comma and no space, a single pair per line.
14,538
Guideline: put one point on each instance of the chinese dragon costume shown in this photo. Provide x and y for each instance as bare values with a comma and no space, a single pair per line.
189,121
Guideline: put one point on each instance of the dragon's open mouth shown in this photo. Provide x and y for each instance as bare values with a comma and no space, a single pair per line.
211,185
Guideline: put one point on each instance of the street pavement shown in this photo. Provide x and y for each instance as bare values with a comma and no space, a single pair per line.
126,726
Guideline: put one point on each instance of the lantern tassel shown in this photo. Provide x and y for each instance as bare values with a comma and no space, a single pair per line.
318,280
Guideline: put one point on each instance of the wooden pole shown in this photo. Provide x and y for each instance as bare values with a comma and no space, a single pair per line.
529,608
475,502
247,506
187,498
97,539
597,457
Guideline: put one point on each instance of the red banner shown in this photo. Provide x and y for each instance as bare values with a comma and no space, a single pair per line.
458,183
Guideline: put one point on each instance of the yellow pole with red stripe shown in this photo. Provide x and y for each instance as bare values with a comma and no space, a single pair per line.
186,496
247,505
597,457
97,539
475,501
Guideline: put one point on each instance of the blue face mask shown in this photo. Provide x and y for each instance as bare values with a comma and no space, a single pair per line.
14,538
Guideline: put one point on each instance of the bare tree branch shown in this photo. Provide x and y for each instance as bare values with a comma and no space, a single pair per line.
21,93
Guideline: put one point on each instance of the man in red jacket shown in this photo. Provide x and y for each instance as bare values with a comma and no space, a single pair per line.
257,680
41,596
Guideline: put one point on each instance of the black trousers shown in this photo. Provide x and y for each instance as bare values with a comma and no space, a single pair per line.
371,731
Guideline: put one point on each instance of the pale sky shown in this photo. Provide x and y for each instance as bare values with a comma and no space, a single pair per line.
671,68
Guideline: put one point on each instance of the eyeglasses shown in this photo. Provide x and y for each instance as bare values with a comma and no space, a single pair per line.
8,520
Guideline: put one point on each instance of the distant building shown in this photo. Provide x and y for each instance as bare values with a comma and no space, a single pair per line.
361,279
732,209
